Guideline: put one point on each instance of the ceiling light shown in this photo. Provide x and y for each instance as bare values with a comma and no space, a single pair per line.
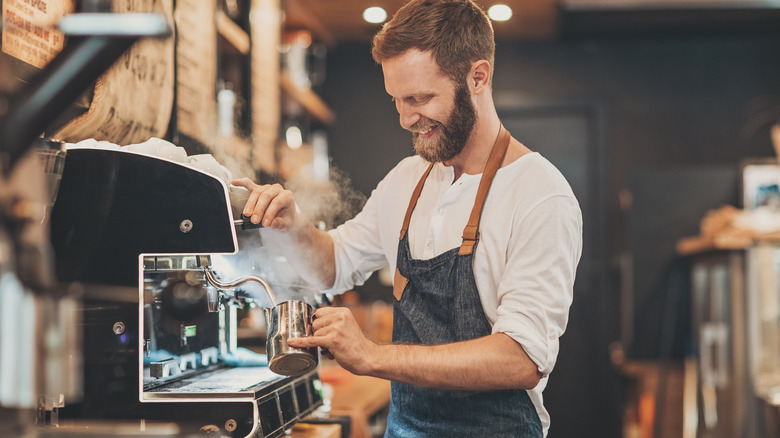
375,14
500,12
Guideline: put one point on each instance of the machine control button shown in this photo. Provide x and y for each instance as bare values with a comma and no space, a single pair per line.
185,226
119,328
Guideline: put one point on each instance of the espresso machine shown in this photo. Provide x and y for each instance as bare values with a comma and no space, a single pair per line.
40,350
141,235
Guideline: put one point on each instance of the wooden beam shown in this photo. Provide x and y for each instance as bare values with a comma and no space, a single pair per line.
308,99
232,33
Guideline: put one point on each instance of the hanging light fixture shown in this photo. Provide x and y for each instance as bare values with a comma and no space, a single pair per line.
375,15
500,12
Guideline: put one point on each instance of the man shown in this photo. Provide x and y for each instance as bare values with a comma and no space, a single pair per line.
483,278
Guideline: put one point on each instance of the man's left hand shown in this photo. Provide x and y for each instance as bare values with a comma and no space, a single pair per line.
336,330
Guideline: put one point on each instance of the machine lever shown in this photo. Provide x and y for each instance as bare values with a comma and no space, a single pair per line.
246,224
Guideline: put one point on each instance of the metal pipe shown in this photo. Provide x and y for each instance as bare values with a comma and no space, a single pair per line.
239,281
81,62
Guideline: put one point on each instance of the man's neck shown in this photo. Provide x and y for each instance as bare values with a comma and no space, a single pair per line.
474,156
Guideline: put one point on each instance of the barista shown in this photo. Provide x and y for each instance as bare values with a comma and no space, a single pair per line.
490,237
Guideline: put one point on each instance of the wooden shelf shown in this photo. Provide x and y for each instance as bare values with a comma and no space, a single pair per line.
232,33
308,99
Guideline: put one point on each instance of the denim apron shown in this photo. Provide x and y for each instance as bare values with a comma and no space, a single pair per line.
436,301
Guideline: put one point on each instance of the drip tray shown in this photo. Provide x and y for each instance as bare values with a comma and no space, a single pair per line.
277,402
222,383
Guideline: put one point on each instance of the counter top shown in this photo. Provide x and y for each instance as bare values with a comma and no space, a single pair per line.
359,397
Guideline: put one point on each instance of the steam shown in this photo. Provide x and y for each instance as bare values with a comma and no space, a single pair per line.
327,204
258,256
238,166
262,252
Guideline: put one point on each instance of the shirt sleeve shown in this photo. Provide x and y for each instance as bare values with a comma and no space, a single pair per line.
357,245
536,290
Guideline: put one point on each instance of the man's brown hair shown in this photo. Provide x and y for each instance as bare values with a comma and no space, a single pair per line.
456,32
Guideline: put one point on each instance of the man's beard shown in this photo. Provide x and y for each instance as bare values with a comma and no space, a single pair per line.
453,134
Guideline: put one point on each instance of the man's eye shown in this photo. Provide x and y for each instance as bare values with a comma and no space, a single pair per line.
412,100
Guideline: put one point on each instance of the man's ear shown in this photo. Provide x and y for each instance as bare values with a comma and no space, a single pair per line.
479,76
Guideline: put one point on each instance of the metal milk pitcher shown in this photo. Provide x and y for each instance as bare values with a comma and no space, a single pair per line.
289,319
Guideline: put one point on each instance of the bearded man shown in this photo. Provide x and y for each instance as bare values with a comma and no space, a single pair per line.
490,238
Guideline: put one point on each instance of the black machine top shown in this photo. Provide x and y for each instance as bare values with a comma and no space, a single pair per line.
114,205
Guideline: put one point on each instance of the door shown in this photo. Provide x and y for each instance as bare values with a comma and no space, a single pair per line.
581,392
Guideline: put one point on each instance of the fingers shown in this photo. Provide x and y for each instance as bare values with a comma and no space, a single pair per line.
307,342
270,204
258,201
310,342
330,316
278,207
330,311
328,326
244,182
336,331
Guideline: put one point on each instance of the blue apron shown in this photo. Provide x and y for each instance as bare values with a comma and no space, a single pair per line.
436,301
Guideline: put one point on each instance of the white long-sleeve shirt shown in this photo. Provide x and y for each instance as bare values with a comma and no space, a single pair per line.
525,262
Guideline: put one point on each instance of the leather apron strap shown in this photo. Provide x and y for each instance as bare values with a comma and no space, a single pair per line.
413,202
471,232
497,154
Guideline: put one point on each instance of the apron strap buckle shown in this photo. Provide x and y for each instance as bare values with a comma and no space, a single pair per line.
470,239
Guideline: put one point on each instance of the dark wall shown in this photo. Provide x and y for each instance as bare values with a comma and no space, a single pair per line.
666,104
671,102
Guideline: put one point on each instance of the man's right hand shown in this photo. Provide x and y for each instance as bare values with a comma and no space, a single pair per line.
270,205
308,249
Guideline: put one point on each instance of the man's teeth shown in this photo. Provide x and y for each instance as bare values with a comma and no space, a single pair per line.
427,130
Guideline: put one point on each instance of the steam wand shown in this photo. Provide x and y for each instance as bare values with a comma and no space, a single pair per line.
239,281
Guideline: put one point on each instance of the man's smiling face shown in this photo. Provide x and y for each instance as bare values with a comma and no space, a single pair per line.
440,115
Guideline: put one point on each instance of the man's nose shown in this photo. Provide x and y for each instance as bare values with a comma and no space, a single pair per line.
408,116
